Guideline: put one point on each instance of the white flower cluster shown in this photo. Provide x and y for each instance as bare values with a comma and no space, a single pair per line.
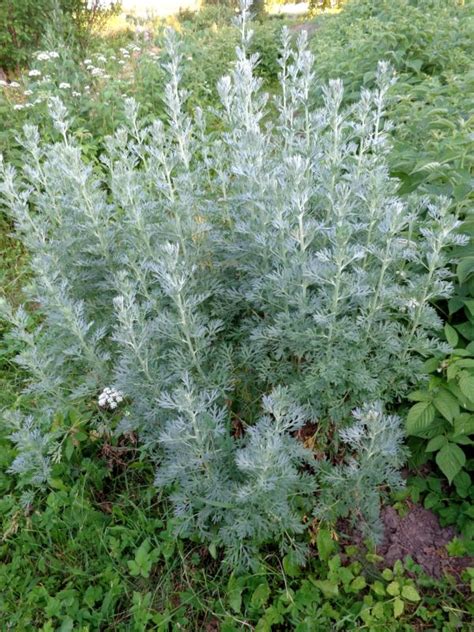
34,73
47,55
110,398
64,85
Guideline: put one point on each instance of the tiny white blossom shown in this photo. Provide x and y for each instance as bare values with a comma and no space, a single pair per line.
18,106
3,83
53,54
28,93
76,94
110,398
87,62
14,84
43,57
34,73
64,85
121,62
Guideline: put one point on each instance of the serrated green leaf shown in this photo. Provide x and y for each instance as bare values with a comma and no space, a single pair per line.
419,417
464,424
291,566
358,584
420,396
450,459
436,443
260,595
446,404
410,593
466,384
431,365
451,334
398,607
234,598
325,544
465,269
393,589
327,587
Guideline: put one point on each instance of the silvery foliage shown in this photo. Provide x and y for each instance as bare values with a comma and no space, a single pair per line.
202,269
374,444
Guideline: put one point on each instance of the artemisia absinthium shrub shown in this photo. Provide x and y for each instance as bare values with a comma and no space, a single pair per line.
221,284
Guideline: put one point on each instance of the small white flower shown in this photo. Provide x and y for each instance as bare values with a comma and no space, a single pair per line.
28,93
102,59
110,398
18,106
97,72
76,94
14,84
64,85
53,54
190,58
34,73
113,58
121,62
87,62
87,88
28,105
37,101
3,83
43,57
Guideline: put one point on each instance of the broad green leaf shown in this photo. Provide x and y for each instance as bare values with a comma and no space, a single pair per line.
469,303
410,593
464,424
260,595
436,443
358,583
466,384
451,334
398,607
465,363
234,597
431,365
325,544
446,404
420,396
462,481
393,589
466,330
419,417
450,460
291,566
327,587
461,439
465,269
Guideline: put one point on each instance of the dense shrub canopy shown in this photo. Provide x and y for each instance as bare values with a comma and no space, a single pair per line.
234,287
